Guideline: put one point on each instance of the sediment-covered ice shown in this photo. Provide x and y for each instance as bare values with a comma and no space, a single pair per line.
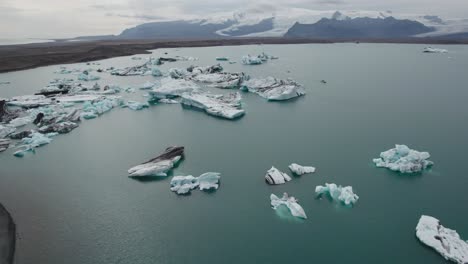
290,202
60,127
226,106
183,184
160,165
275,176
445,241
209,180
29,144
403,159
338,193
172,88
274,89
434,50
176,73
222,80
300,170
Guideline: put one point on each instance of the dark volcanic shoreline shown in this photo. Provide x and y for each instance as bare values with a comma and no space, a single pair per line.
27,56
7,237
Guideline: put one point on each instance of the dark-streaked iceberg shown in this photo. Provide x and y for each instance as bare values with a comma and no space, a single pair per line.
338,193
445,241
290,202
160,165
403,159
275,176
274,89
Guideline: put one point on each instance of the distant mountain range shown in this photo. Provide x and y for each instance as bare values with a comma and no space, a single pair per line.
299,23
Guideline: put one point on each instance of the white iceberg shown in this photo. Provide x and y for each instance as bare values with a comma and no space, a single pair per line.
78,98
274,89
300,170
403,159
134,105
20,121
434,50
168,101
209,180
172,88
146,86
160,165
290,202
6,130
226,106
251,60
222,80
183,184
339,193
29,101
445,241
275,176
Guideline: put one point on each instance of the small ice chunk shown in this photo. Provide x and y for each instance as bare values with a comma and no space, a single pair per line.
445,241
300,170
78,98
339,193
251,60
274,89
275,176
156,72
222,58
29,144
290,202
209,180
146,86
134,105
434,50
160,165
226,106
183,184
403,159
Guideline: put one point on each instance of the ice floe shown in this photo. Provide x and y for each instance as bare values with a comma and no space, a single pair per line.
134,105
300,170
4,144
160,165
209,180
275,176
274,89
29,101
338,193
290,202
226,106
29,144
403,159
434,50
445,241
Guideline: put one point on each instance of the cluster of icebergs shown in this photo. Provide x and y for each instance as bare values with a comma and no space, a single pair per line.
275,176
257,60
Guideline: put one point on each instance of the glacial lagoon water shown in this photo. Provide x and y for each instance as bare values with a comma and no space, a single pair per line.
73,202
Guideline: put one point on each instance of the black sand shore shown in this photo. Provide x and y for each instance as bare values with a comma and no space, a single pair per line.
27,56
7,237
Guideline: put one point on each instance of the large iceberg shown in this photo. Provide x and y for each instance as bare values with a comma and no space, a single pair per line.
445,241
274,89
434,50
29,144
226,106
222,80
160,165
86,76
290,202
339,193
184,184
171,88
403,159
300,170
275,176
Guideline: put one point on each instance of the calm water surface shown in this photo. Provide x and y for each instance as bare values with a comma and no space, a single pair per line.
73,202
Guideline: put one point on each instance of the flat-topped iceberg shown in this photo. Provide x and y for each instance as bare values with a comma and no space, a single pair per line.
403,159
338,193
222,80
300,170
172,88
184,184
226,106
209,180
97,108
29,144
29,101
275,176
274,89
434,50
445,241
290,202
160,165
134,105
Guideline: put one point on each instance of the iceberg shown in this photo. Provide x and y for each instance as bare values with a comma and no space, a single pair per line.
21,134
176,73
171,88
146,86
20,121
339,193
5,114
97,108
209,180
168,101
445,241
226,106
222,58
290,202
4,144
403,159
6,130
251,60
274,89
222,80
183,184
29,144
61,128
29,101
217,68
300,170
85,76
160,165
156,72
78,98
434,50
144,69
134,105
275,176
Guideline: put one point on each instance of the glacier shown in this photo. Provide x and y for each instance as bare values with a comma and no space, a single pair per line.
275,176
300,170
445,241
403,159
227,106
274,89
339,193
290,202
160,165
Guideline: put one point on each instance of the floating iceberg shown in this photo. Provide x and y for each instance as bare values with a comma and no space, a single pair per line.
183,184
226,106
4,144
146,86
300,170
251,60
29,144
223,80
339,193
61,127
176,73
97,108
6,130
222,58
5,114
21,134
205,70
274,89
290,202
445,241
171,88
275,176
29,101
85,76
209,180
156,72
160,165
134,105
78,98
403,159
168,101
434,50
20,121
144,69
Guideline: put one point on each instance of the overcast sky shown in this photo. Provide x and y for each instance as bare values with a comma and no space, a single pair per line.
65,18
